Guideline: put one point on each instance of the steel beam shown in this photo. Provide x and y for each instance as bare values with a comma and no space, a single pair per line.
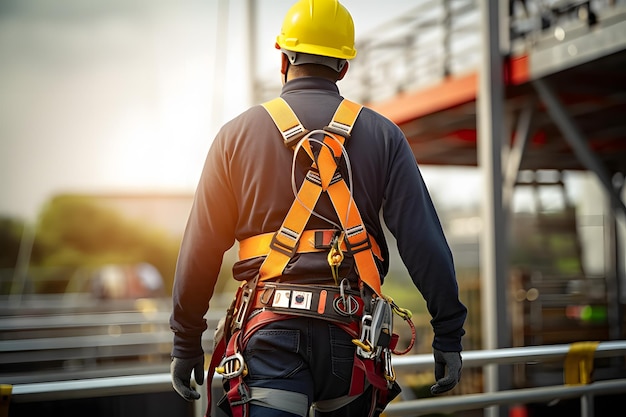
493,246
575,138
514,159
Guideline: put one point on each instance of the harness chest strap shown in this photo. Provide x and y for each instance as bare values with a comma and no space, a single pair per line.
310,241
322,177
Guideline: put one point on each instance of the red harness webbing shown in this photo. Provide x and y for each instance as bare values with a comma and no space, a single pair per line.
216,357
238,394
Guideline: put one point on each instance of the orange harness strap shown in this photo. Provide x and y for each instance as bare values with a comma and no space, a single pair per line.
323,176
310,241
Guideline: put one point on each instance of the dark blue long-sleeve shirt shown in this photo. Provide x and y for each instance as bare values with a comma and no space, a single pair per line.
245,190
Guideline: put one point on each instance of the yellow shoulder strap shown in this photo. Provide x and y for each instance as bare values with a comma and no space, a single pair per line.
321,178
285,120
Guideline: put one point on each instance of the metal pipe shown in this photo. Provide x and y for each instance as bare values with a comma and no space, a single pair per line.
586,405
478,358
525,395
493,247
122,385
87,388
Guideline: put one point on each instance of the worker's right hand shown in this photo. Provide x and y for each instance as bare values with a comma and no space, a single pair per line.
448,367
181,376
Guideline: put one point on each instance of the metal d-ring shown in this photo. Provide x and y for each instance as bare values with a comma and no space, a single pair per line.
345,305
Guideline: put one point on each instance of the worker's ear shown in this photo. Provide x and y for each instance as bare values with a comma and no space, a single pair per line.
343,71
284,64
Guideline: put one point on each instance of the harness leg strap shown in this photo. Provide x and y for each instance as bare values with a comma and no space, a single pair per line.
288,401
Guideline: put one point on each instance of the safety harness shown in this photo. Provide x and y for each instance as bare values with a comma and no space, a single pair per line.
365,313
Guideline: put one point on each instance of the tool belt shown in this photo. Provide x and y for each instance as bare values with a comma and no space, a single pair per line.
367,319
337,304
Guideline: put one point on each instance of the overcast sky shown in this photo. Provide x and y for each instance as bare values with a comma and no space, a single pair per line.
126,95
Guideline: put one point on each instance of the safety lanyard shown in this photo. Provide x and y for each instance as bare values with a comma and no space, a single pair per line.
323,176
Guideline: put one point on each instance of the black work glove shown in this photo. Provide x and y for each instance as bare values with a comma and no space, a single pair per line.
181,376
451,360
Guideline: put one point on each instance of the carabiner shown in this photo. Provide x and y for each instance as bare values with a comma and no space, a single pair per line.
390,375
365,348
335,256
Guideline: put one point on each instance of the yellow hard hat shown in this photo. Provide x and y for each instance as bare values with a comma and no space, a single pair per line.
318,27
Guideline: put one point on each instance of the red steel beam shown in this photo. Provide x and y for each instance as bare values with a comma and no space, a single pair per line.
451,92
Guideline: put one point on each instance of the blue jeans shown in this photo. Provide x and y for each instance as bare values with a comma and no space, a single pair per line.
309,356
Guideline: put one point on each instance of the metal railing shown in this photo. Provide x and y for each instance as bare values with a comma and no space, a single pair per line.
33,392
511,356
61,338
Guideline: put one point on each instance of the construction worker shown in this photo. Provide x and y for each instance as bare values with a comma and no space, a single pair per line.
309,328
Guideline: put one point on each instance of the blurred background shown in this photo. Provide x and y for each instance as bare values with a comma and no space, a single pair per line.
107,110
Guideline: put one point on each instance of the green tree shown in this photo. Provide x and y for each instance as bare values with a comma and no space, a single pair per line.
10,236
11,232
79,231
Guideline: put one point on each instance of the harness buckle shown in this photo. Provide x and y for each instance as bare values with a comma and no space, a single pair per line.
246,295
284,248
360,246
232,366
294,139
338,129
365,348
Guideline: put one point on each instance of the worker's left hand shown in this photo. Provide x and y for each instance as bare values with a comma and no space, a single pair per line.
451,361
181,376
